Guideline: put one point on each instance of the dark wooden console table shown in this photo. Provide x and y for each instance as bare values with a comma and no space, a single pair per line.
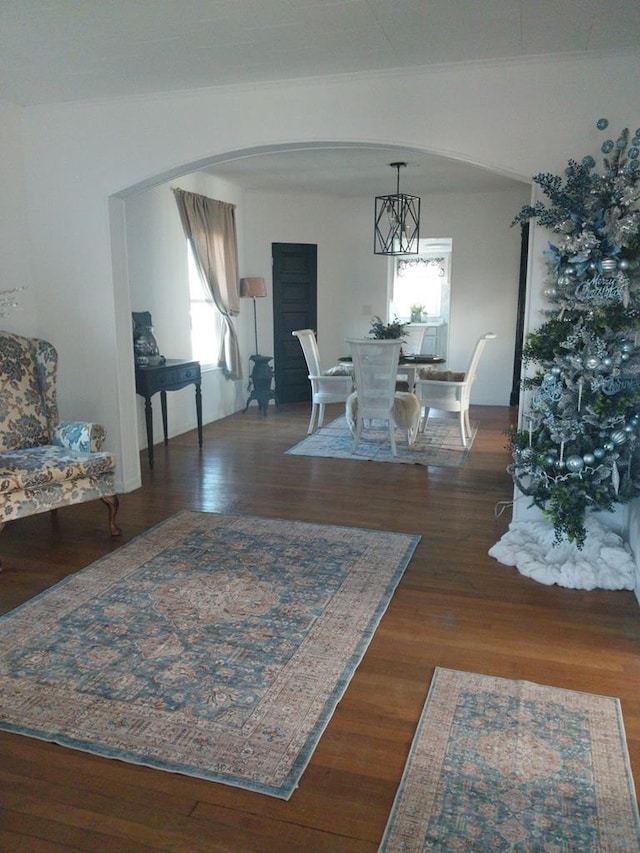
173,375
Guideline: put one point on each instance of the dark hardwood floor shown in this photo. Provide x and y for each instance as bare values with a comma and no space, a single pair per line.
455,607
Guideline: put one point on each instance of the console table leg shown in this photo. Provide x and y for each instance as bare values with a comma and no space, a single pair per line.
163,406
148,417
199,412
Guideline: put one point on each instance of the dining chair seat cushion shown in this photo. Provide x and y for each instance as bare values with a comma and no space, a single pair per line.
406,410
441,375
339,370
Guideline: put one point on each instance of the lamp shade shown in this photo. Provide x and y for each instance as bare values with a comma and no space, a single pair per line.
253,287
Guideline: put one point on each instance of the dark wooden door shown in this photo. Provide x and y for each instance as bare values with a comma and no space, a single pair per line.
514,397
295,306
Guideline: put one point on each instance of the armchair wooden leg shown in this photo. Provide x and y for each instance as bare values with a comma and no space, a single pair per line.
112,503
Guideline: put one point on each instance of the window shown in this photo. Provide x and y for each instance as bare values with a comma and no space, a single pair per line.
423,279
206,320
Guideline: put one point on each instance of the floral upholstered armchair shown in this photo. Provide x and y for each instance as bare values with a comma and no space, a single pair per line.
45,464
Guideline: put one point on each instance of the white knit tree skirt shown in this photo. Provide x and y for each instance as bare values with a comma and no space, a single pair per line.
605,561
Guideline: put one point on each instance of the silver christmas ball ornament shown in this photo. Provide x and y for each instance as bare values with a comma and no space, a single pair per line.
607,363
619,436
574,464
549,460
623,264
609,265
555,370
624,356
591,362
599,452
551,293
627,346
609,446
588,458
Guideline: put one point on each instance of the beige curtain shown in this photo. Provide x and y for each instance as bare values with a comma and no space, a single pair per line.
210,228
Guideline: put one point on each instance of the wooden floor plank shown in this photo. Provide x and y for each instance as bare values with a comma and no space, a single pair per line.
455,607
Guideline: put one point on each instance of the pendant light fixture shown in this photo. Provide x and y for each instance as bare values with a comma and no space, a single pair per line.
397,221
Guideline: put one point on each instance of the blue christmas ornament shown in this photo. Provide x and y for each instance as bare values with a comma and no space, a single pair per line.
574,464
602,123
607,147
609,446
599,452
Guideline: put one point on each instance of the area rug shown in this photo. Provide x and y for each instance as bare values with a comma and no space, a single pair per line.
439,445
510,765
216,646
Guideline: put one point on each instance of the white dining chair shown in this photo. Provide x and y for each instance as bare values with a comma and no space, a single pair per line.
375,366
324,389
412,338
447,395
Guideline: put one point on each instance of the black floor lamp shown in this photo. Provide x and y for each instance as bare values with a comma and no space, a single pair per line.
253,288
262,373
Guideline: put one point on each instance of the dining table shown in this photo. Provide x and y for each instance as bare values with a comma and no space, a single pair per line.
408,365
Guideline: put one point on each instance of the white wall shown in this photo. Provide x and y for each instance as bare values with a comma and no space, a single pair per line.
519,118
14,260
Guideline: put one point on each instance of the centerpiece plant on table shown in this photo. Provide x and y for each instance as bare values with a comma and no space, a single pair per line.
382,331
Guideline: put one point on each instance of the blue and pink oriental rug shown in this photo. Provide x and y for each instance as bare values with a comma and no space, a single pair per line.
213,645
502,765
439,445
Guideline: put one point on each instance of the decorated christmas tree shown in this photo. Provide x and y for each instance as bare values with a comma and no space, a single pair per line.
579,446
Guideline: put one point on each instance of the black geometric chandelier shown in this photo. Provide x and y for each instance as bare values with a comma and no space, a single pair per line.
397,221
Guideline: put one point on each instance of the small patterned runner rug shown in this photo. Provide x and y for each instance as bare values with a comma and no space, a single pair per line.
510,765
213,645
439,445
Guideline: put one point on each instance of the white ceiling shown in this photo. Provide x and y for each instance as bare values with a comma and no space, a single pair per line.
64,50
69,50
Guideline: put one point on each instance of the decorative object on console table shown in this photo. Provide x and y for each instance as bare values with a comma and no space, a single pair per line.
145,346
172,375
260,383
